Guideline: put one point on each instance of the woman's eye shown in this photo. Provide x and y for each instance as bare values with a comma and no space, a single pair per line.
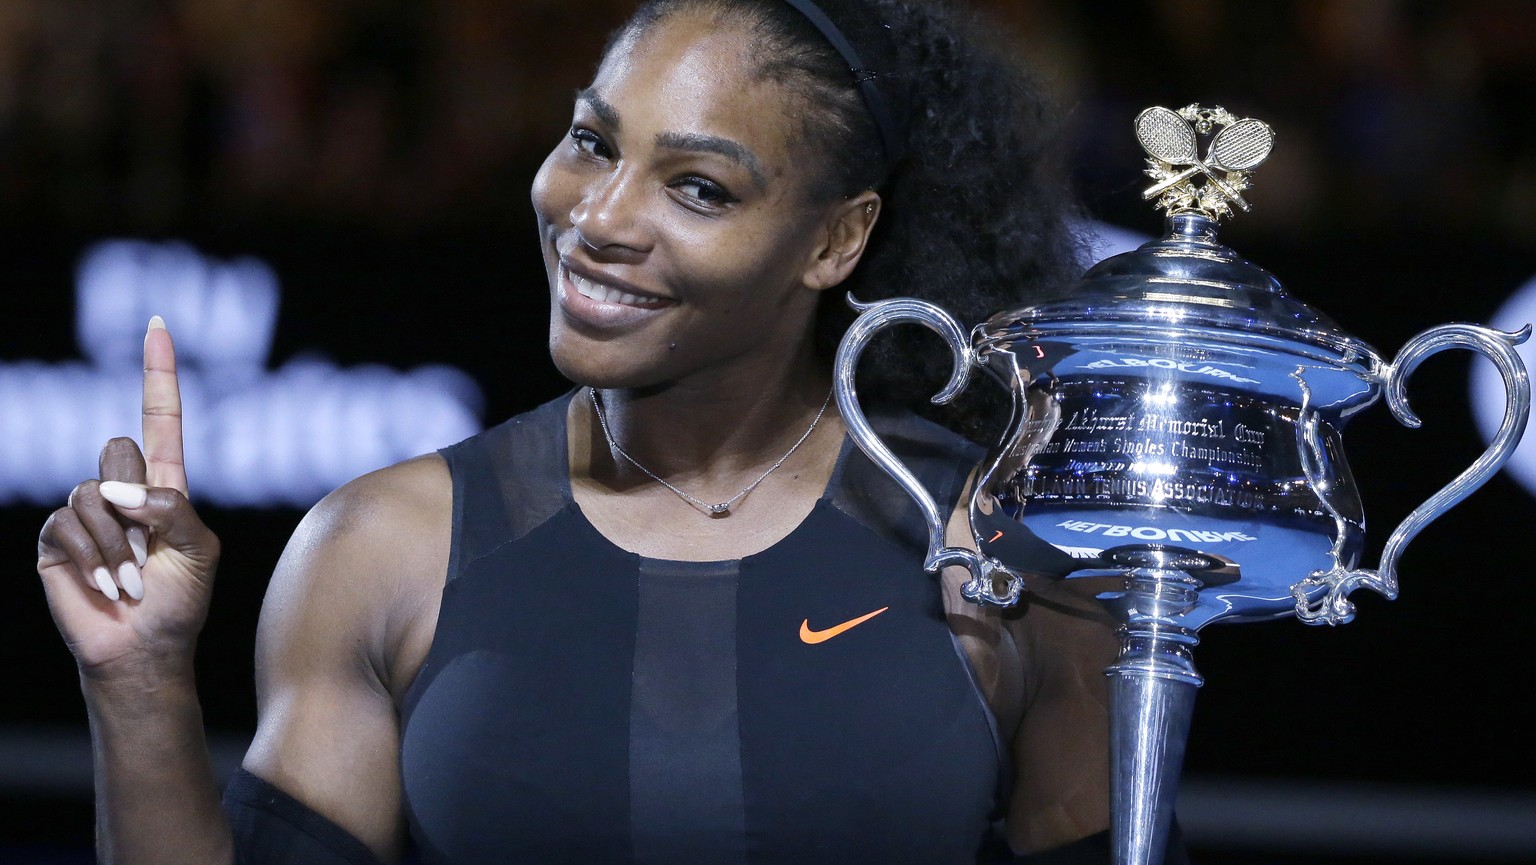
706,191
590,142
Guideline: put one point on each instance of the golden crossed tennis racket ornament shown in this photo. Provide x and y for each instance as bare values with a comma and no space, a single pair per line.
1172,141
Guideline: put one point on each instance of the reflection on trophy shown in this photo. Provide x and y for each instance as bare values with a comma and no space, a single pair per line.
1176,429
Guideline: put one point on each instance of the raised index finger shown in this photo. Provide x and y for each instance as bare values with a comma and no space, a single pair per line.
162,410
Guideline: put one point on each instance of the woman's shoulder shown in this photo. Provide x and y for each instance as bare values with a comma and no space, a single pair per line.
376,535
397,505
935,453
344,627
361,574
408,508
921,433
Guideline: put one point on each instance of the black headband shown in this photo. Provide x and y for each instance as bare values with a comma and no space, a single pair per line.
892,139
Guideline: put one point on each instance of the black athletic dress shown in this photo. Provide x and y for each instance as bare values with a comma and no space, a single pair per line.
583,704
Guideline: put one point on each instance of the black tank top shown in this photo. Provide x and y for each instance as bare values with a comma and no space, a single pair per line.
583,704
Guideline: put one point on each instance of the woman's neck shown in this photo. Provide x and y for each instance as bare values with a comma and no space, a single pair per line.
708,435
727,472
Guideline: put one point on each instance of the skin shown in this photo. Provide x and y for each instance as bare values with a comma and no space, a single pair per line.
730,250
680,187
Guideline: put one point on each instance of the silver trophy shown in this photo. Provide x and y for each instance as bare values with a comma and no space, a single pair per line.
1176,428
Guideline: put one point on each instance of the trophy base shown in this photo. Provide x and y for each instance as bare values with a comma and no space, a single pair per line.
1152,694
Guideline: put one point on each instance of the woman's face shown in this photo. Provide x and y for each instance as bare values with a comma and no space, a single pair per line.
679,229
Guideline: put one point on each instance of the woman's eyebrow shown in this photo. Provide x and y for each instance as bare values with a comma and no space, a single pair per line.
605,112
731,150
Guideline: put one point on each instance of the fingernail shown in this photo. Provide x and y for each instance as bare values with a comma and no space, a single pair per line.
124,495
133,582
139,542
156,321
104,582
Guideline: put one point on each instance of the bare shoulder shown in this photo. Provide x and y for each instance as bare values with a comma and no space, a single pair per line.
348,618
368,561
392,511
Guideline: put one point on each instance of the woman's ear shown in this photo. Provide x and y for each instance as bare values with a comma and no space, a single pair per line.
848,225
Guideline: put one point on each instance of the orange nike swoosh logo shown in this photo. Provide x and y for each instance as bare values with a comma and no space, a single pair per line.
813,637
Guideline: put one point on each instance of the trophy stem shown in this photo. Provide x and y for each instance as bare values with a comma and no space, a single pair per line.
1152,700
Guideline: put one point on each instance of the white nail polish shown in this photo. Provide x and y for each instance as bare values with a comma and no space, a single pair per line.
139,543
133,582
104,582
124,495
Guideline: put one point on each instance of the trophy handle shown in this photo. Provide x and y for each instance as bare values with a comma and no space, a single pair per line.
991,582
1498,346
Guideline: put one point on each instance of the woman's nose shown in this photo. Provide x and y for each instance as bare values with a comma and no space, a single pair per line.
611,213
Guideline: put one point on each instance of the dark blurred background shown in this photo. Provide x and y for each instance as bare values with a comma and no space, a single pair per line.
376,154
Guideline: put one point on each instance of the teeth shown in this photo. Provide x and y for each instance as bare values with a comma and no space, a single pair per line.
608,294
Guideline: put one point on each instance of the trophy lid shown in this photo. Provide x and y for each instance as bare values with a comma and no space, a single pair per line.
1188,283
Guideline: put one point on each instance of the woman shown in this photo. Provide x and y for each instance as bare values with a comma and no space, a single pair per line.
672,616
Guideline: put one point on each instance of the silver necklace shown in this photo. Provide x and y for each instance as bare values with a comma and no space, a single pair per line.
718,509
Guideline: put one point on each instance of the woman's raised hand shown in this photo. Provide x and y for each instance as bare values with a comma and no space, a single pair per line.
127,564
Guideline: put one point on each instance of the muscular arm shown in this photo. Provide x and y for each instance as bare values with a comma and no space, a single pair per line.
1061,746
347,620
128,569
1042,666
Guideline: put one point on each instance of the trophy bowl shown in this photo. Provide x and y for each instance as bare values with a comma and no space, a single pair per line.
1177,430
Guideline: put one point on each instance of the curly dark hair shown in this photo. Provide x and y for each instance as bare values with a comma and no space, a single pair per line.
976,216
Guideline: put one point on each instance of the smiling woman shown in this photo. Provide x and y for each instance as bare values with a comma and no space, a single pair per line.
676,229
672,616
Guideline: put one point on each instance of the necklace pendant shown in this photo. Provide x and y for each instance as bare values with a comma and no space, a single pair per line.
723,509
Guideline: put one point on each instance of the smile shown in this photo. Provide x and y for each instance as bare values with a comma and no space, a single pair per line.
597,291
600,306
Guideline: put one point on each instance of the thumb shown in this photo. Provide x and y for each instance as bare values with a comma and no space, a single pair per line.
162,509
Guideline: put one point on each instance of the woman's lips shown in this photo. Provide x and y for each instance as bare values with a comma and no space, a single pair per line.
594,303
602,293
